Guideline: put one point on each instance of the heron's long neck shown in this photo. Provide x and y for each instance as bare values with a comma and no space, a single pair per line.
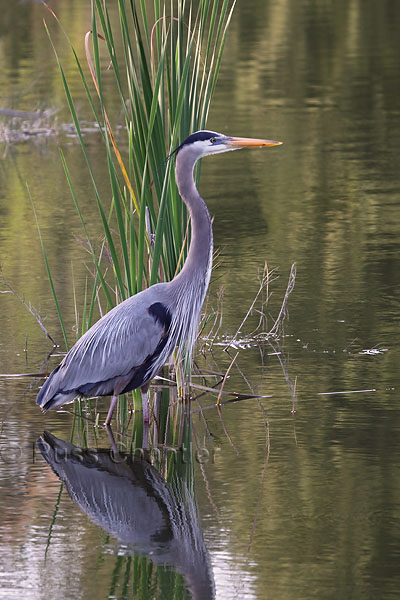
199,259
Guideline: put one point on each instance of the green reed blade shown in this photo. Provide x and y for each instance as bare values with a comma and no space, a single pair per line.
46,262
121,229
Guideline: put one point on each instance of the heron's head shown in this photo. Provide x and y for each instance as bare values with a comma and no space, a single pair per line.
204,143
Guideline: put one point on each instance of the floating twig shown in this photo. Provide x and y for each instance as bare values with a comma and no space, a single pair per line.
16,375
230,401
345,392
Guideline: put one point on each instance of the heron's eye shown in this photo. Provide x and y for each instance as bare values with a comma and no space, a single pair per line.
213,140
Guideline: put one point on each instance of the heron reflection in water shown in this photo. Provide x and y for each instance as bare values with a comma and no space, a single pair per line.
128,498
127,347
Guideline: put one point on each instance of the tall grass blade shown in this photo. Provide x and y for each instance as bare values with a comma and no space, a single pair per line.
53,289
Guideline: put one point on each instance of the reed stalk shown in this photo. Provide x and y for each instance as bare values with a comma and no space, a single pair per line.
165,59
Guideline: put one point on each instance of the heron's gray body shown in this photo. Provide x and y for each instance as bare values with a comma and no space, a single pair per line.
115,351
127,347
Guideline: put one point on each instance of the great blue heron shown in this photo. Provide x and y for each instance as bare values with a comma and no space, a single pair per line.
127,347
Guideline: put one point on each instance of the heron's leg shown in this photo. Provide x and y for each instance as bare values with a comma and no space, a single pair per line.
119,386
145,406
111,409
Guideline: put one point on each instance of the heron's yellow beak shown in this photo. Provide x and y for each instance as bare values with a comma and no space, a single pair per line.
239,142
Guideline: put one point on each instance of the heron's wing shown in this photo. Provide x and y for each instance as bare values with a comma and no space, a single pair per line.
123,339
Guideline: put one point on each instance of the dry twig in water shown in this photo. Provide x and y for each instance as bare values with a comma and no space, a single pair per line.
264,283
283,313
35,314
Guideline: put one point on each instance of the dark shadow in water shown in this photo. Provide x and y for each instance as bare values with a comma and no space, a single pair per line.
128,498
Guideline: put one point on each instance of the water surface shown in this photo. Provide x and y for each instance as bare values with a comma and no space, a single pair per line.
290,505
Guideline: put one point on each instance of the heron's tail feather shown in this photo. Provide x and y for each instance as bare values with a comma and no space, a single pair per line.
59,400
50,394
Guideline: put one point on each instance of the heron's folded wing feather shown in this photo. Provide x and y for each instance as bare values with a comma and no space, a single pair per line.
123,339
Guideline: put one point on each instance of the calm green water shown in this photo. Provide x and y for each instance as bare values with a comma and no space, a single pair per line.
290,505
